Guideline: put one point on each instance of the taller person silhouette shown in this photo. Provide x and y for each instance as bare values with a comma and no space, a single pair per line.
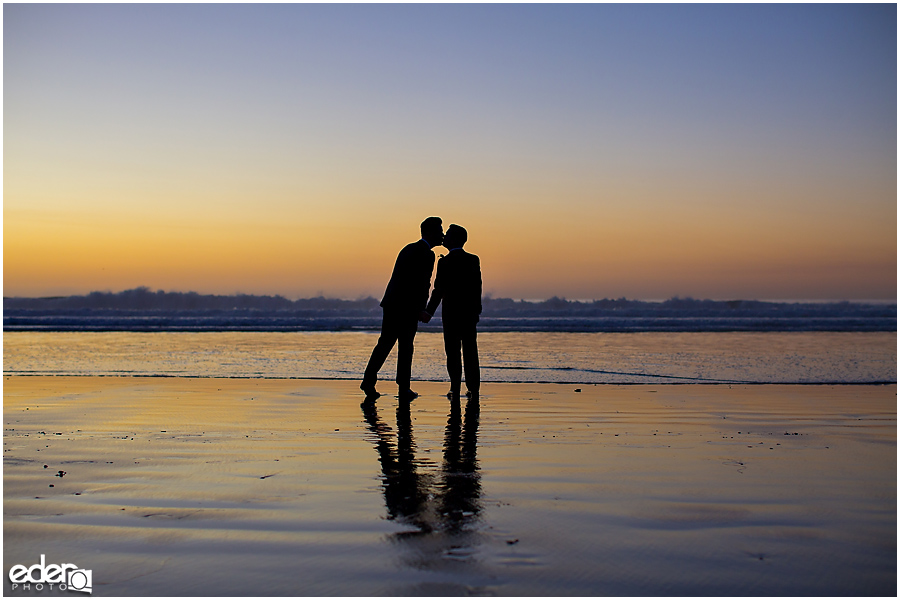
403,304
458,285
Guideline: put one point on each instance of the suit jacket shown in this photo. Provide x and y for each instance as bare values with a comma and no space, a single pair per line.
458,284
411,279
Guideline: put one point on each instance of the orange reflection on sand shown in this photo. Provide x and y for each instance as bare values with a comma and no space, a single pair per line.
289,486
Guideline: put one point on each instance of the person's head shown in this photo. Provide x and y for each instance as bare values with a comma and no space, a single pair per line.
432,231
456,237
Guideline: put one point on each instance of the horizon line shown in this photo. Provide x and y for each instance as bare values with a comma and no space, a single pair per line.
488,295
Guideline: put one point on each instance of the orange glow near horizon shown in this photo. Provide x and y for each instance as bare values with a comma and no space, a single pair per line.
526,254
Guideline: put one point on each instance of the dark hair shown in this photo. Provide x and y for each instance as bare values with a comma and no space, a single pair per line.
431,224
457,232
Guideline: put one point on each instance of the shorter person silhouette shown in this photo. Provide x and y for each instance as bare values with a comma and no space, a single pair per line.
458,285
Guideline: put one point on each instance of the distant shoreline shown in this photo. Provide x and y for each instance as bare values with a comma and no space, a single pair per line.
142,310
192,324
143,298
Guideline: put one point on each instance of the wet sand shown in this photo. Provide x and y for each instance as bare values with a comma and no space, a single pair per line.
263,487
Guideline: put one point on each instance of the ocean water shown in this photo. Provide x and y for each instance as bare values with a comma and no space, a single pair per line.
620,358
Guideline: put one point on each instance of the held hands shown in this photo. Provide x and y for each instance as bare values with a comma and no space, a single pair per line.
424,316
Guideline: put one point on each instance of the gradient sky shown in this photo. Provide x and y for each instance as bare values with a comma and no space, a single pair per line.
592,151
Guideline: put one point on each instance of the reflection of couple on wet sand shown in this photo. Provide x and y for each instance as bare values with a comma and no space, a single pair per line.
405,303
442,506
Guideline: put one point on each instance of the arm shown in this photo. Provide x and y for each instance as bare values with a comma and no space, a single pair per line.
478,277
437,295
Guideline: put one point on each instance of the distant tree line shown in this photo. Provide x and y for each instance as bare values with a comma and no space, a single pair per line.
144,300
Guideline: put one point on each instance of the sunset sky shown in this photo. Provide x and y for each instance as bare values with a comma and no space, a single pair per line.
592,151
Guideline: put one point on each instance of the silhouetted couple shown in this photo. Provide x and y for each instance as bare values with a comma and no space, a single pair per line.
405,303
